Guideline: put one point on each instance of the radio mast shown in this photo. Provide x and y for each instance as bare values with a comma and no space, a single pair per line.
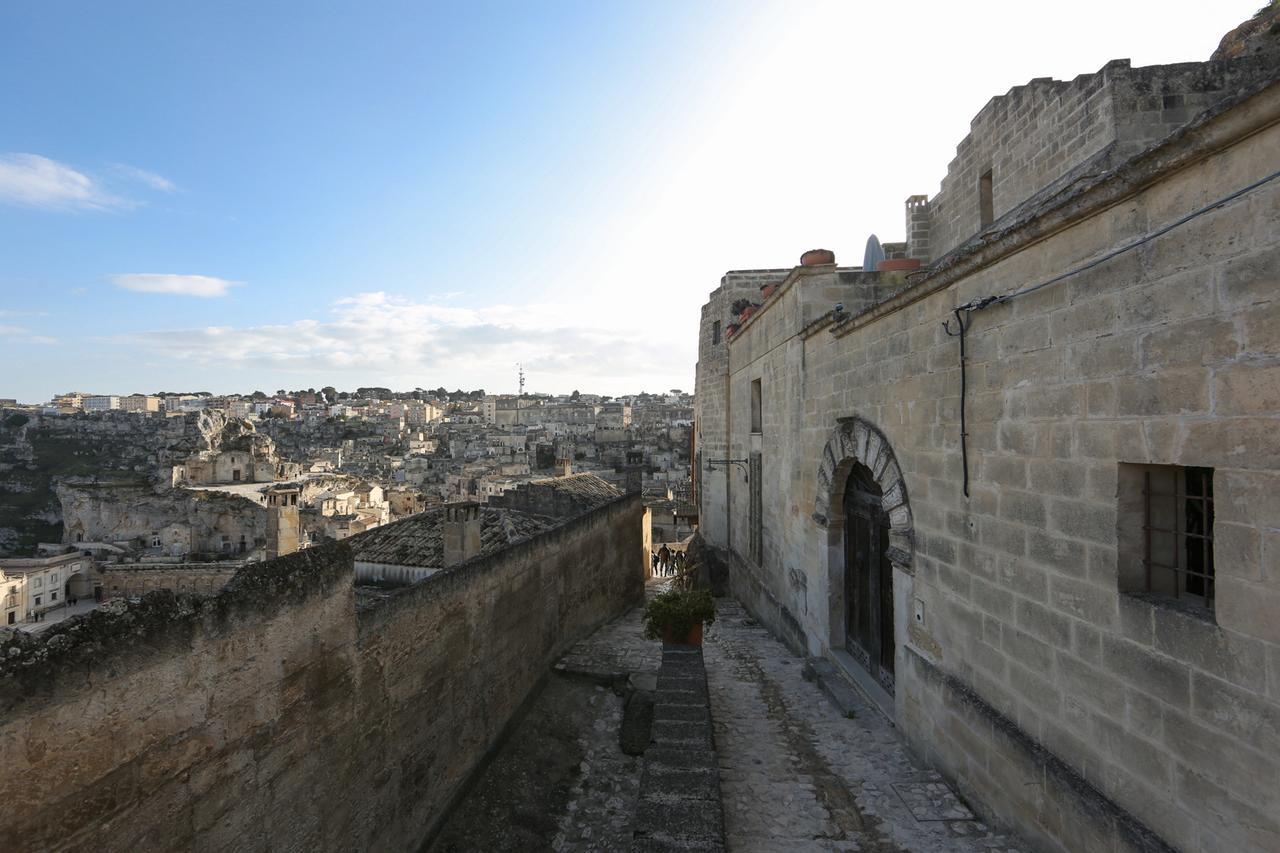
521,369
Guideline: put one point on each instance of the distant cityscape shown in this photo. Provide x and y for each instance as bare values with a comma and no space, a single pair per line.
122,493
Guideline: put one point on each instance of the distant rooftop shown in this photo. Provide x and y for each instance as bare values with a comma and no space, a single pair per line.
419,539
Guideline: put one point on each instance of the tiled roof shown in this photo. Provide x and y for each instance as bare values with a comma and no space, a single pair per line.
590,490
419,540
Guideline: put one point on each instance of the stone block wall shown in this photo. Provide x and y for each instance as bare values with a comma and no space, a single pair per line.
1100,718
271,716
126,580
711,383
1035,134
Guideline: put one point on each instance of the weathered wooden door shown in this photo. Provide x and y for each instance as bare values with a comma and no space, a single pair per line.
868,581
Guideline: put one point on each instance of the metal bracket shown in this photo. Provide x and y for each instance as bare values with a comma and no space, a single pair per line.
745,463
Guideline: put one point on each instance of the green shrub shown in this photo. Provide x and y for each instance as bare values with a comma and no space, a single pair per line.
678,610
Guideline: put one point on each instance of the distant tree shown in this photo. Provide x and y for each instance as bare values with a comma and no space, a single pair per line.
329,393
575,395
344,395
258,395
281,392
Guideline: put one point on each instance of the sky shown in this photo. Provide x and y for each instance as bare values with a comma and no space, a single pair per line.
241,196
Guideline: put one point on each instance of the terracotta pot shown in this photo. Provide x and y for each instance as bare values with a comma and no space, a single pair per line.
767,290
731,330
817,257
898,264
693,638
747,312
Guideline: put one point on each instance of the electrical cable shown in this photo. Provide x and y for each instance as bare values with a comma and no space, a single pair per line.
979,304
987,301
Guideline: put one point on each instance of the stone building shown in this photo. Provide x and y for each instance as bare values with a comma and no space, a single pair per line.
1054,564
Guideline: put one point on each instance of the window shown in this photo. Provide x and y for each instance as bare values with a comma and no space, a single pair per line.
1165,534
755,472
37,583
53,596
986,206
757,414
38,599
715,332
53,578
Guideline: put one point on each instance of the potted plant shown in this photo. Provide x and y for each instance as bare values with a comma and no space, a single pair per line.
766,290
677,616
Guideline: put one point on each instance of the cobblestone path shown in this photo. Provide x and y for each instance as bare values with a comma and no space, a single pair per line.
796,775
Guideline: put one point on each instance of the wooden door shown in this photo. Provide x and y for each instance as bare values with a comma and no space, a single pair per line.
868,582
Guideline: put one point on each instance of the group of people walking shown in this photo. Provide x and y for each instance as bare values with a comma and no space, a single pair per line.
667,563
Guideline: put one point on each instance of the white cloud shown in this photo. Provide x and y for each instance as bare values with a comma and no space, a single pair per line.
389,340
23,335
204,286
151,179
34,181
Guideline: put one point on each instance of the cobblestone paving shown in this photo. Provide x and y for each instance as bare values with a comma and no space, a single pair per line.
561,782
619,647
796,775
602,800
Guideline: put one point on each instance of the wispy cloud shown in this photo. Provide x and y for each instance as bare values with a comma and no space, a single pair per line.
203,286
151,179
21,334
395,339
31,180
34,181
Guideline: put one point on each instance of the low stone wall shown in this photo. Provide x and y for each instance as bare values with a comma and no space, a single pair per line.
270,716
127,579
447,663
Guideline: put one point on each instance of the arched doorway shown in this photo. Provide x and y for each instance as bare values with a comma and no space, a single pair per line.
868,576
861,501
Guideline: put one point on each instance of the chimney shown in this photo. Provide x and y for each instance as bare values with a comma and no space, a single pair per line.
461,532
564,465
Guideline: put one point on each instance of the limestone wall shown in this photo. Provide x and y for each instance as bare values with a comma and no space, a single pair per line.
1088,717
1037,133
124,580
271,716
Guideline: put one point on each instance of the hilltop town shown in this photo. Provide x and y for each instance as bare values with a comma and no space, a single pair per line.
180,490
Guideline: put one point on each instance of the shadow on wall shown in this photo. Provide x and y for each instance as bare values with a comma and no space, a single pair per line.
270,712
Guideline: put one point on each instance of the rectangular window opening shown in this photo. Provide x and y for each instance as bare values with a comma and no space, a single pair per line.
1165,536
986,202
757,414
715,332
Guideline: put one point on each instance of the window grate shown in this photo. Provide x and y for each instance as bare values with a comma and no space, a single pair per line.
1178,533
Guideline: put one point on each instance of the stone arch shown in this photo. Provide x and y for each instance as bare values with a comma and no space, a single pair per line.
858,441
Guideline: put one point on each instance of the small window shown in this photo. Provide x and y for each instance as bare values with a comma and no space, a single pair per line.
37,583
53,596
715,332
38,599
986,201
757,414
1166,532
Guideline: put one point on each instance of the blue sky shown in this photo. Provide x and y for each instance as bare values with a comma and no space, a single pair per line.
240,196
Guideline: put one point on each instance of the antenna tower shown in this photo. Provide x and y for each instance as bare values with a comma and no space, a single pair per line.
521,368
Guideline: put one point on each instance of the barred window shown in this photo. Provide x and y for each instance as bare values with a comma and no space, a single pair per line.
1166,534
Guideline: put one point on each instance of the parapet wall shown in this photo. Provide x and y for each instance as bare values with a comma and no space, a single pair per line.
1034,135
270,716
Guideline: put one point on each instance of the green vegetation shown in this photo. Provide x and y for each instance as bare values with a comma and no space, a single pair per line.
678,611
